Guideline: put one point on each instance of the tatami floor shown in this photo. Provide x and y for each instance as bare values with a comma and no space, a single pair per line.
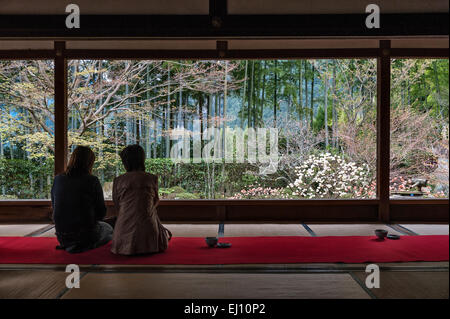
397,280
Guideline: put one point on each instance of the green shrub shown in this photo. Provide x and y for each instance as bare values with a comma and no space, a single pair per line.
26,179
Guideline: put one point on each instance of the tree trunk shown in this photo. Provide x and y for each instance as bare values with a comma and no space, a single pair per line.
216,110
138,126
200,117
101,131
275,95
147,124
438,88
224,115
11,148
116,142
167,115
127,120
326,106
1,146
312,96
244,95
300,107
255,95
263,92
155,136
306,91
335,123
250,96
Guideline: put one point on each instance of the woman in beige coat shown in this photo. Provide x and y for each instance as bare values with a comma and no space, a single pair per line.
138,229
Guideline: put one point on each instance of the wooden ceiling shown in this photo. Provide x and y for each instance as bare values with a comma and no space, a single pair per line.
176,7
199,7
245,24
234,44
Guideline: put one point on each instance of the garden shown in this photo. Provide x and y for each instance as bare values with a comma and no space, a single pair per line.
322,114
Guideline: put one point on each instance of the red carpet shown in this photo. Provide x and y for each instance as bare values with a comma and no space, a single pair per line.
245,250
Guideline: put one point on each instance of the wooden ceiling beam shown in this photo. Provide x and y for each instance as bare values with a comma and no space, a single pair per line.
219,25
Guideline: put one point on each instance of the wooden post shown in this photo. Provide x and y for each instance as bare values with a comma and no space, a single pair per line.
222,48
60,127
221,213
383,128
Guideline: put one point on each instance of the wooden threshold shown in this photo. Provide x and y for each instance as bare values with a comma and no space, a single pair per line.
271,211
340,53
242,268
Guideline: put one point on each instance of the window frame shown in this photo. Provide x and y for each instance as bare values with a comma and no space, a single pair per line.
382,209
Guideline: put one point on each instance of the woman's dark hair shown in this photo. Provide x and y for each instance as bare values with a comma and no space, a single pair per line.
133,158
81,162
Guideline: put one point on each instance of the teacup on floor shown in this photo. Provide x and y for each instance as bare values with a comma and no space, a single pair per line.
211,241
381,233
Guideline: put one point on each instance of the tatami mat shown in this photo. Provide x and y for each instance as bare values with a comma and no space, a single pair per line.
243,230
410,285
33,284
231,230
427,229
178,230
349,229
193,230
235,230
209,286
324,267
48,233
19,230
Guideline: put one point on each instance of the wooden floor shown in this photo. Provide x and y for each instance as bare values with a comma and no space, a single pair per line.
293,281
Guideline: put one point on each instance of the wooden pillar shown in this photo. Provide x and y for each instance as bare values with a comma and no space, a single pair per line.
218,9
221,213
60,129
222,48
383,128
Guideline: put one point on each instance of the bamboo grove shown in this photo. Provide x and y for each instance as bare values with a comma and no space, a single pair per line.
324,113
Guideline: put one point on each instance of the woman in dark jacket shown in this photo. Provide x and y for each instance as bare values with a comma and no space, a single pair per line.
78,205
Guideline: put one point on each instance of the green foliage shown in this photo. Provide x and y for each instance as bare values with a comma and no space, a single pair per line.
26,179
176,192
257,93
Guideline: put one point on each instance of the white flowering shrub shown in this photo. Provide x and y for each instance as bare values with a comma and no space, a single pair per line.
259,192
331,176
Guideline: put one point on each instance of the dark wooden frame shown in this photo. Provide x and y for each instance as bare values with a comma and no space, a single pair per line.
219,24
381,209
61,111
383,128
